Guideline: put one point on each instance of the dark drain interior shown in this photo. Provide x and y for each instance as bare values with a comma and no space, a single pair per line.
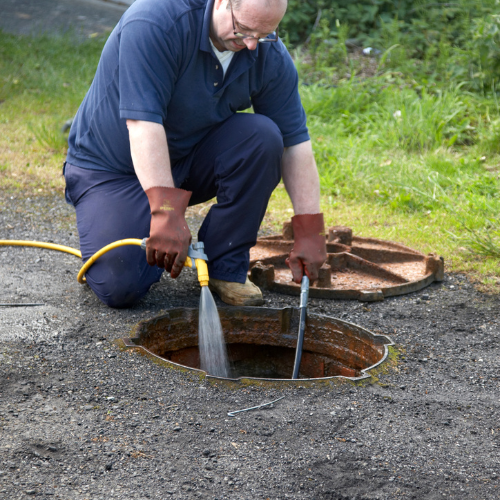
267,361
261,343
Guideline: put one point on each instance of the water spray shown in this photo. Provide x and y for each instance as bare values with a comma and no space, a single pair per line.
212,348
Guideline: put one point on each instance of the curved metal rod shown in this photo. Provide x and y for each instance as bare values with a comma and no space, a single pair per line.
233,413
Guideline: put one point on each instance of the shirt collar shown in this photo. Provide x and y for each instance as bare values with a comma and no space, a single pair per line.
205,32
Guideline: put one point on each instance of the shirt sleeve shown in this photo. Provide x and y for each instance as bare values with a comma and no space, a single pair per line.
279,97
148,68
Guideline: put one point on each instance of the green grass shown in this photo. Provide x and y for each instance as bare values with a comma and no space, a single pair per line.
414,165
399,159
42,82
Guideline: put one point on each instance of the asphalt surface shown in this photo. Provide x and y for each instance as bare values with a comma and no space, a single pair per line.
83,17
81,419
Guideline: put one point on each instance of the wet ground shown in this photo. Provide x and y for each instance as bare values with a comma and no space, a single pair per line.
80,419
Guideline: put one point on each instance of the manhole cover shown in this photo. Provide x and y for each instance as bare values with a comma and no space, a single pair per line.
261,345
366,269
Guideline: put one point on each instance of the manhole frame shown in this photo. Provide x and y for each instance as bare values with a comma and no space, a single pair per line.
368,375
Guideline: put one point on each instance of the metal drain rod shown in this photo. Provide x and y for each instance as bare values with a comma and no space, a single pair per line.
233,413
304,295
20,304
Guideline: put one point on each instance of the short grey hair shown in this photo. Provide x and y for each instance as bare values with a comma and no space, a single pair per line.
237,3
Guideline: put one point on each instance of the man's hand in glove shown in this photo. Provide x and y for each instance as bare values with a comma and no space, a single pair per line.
309,249
169,235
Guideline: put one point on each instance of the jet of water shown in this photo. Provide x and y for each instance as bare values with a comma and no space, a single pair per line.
213,353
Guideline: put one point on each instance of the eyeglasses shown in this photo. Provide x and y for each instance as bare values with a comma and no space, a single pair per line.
251,37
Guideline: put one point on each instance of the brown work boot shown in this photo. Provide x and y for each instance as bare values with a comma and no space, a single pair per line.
237,294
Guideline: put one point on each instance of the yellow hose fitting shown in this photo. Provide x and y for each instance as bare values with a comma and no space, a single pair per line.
202,268
197,254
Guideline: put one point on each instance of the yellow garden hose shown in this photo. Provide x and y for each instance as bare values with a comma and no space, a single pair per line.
120,243
41,244
201,265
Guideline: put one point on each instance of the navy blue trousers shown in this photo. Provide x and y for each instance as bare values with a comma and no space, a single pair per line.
238,162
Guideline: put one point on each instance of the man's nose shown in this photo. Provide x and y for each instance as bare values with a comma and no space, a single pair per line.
251,43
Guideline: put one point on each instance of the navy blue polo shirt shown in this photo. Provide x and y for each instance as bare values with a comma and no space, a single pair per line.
158,66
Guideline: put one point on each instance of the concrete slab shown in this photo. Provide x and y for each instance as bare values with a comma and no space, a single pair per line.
122,2
84,17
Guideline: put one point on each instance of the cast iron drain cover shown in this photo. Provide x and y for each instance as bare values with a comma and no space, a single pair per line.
366,269
261,345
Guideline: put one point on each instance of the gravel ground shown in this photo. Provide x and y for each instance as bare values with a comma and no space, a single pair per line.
80,419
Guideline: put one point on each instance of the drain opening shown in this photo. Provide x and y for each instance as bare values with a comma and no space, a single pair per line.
268,361
261,344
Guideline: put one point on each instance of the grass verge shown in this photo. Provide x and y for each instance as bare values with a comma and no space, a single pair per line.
42,82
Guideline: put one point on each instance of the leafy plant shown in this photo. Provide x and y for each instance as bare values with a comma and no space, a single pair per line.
455,42
49,136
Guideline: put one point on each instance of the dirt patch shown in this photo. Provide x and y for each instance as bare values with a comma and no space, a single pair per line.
81,419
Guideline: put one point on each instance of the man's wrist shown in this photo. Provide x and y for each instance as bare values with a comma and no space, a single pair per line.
167,199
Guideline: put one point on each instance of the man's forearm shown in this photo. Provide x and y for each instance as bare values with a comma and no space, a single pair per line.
169,235
149,149
300,175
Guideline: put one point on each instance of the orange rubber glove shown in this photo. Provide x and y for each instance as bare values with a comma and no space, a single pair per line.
309,249
169,235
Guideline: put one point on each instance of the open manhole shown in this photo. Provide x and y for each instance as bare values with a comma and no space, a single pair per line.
261,345
366,269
